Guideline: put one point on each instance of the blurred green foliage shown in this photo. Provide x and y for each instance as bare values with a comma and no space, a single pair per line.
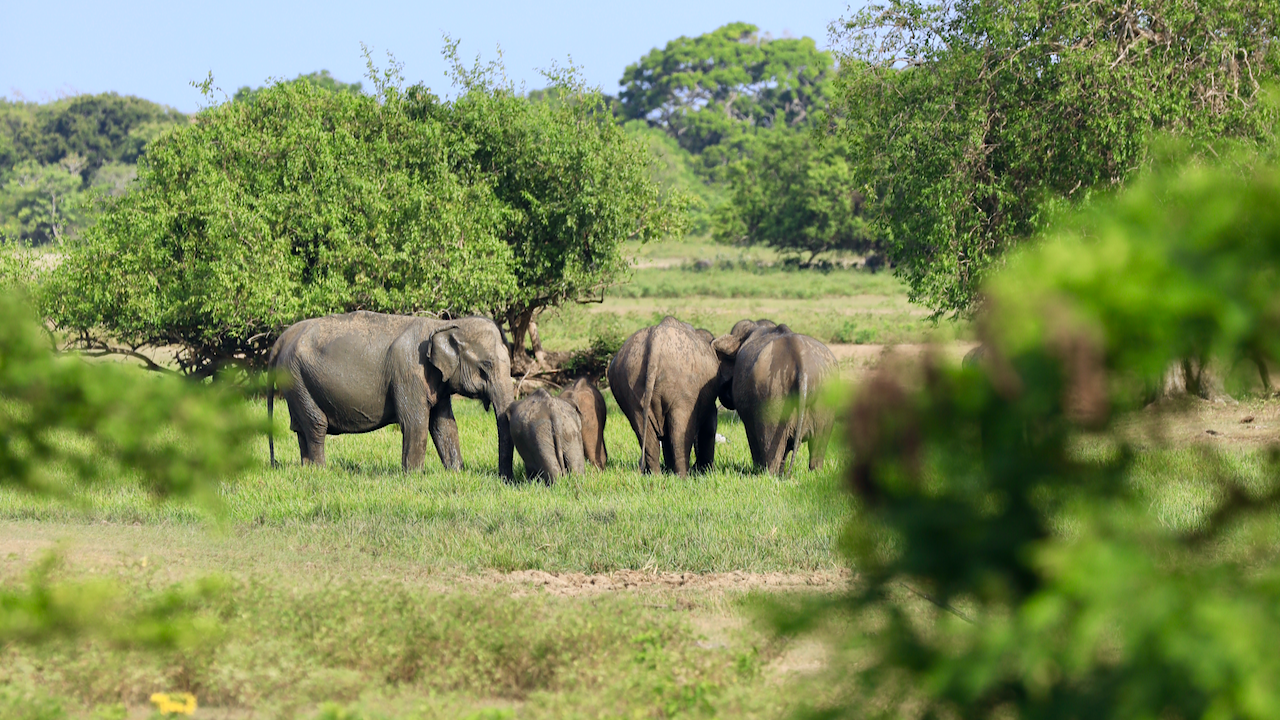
968,123
97,420
1004,572
65,421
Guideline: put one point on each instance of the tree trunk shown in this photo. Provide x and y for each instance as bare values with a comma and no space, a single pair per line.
1193,377
519,321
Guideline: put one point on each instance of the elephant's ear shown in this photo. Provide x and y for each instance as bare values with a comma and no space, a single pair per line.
726,346
443,352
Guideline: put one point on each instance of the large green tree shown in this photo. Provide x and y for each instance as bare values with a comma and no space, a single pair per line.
256,215
711,91
796,194
572,184
968,123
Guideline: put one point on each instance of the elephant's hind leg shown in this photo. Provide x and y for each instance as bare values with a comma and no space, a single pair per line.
818,444
311,425
706,444
680,436
777,442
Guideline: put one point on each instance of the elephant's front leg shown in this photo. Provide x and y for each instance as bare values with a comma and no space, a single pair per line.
444,433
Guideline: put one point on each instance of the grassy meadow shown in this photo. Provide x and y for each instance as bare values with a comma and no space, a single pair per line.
714,286
359,592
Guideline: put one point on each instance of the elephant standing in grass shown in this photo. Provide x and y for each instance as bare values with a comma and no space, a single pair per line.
361,371
775,375
547,432
583,395
665,380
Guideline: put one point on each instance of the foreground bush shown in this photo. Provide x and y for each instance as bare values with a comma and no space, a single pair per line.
1007,572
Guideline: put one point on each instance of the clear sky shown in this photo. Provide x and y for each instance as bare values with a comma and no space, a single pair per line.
50,48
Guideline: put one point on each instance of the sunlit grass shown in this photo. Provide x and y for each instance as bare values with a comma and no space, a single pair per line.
730,519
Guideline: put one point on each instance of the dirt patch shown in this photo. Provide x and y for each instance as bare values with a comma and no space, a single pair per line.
578,584
1252,423
857,360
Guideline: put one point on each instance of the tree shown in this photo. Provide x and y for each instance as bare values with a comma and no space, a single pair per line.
709,91
256,215
797,195
1010,564
572,184
972,122
42,204
321,79
98,128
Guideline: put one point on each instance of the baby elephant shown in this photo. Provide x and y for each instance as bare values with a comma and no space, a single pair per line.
590,403
547,432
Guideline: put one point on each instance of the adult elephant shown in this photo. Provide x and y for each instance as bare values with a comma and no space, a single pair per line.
361,371
665,380
774,377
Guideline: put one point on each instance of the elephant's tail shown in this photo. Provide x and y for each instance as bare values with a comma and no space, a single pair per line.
802,380
648,423
271,402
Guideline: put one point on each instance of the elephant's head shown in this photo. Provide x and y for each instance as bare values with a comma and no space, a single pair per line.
727,347
472,357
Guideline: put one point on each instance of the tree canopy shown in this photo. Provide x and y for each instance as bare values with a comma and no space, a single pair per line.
572,184
709,90
256,215
320,79
98,128
968,123
795,194
313,200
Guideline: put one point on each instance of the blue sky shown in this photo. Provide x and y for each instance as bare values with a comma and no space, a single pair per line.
51,48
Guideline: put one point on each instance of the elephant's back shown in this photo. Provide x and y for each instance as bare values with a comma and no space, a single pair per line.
771,368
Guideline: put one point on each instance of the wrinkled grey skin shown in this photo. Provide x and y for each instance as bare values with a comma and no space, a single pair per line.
361,371
774,378
547,432
583,395
665,380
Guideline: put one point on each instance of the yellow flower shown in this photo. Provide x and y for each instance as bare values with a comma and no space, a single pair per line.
180,703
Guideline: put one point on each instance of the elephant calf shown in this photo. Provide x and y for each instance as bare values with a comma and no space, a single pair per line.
547,432
583,395
775,376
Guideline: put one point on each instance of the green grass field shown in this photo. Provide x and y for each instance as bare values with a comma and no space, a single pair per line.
359,592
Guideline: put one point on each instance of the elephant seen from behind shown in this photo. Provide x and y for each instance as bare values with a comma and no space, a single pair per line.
774,375
361,371
665,379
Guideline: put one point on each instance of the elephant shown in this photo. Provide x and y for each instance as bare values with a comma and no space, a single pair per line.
770,364
547,432
665,379
361,371
583,395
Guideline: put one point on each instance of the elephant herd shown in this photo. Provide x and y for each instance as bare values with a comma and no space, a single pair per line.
361,371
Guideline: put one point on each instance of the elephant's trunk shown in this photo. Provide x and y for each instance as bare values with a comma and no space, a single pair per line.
502,400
